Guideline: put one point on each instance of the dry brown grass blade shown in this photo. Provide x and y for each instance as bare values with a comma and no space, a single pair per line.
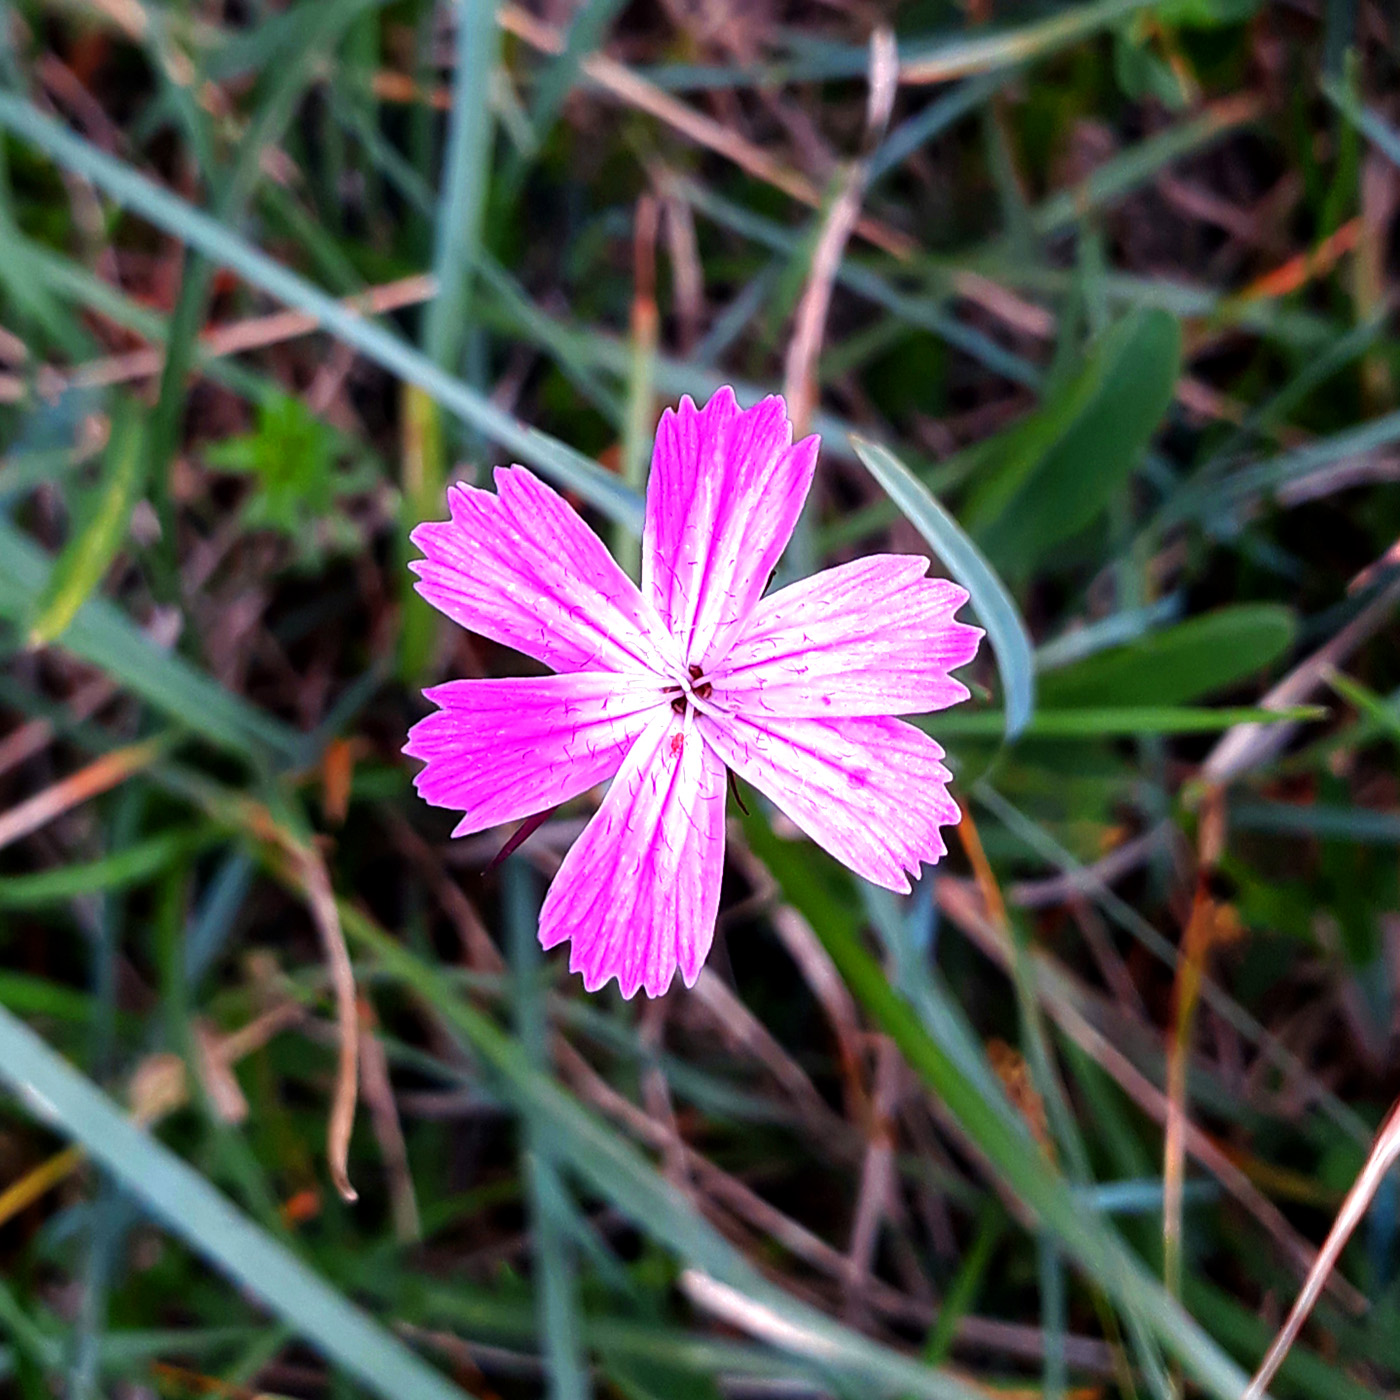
316,884
221,1086
388,1130
1384,1155
100,776
809,328
480,953
743,1031
987,885
820,974
1204,929
687,269
1248,745
1298,271
1211,923
255,333
750,1316
30,738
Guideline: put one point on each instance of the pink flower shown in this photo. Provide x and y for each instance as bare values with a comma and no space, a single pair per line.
663,688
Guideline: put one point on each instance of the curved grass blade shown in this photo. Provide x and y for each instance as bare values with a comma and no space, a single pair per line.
195,1212
992,603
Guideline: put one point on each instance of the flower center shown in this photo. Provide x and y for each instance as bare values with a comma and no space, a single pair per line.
690,686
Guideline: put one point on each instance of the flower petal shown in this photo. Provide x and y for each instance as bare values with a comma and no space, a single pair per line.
874,637
501,749
726,489
870,791
639,891
521,567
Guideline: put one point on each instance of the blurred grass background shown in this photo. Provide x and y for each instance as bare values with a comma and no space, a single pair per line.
1093,304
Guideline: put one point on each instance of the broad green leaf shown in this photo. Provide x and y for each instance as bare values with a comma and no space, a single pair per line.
89,554
1063,468
992,603
1007,460
1143,74
1178,664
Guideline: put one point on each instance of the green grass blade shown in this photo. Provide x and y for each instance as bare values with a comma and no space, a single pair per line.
556,1288
1207,499
1366,120
1383,716
132,866
992,603
195,1212
1138,165
1320,821
918,130
465,179
587,31
967,1283
89,554
1115,722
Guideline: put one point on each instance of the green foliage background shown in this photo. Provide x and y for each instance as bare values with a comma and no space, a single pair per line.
1114,345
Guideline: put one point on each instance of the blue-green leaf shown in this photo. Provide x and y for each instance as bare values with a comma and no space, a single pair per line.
990,600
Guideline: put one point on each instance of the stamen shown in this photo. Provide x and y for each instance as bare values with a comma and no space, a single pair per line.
703,688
